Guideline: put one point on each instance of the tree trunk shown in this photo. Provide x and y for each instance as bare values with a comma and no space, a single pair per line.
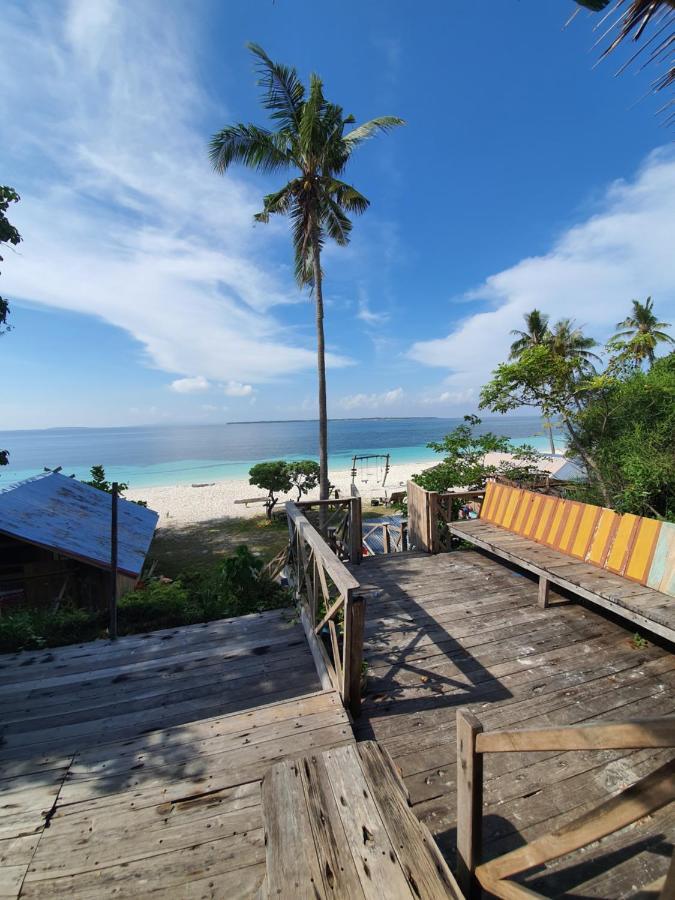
321,366
589,462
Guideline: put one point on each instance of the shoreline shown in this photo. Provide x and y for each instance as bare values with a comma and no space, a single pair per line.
182,505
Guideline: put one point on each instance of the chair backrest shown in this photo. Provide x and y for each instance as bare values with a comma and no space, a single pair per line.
636,547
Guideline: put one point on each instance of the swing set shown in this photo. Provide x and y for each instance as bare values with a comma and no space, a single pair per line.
372,470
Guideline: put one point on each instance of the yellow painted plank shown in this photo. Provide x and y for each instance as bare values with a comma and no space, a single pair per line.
570,527
488,500
618,554
642,553
512,507
547,511
601,543
585,528
554,528
495,500
521,512
532,518
501,506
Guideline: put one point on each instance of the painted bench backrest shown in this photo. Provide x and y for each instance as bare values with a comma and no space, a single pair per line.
636,547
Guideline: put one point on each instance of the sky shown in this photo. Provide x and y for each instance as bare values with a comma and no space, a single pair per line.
143,292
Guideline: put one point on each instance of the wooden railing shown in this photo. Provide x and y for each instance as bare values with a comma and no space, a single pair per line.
331,602
640,799
384,537
429,511
338,521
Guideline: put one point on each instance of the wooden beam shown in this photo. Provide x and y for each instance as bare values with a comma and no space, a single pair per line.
469,801
544,585
352,642
631,735
340,575
329,615
326,673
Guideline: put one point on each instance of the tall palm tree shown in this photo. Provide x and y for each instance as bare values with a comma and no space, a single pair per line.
537,332
308,137
641,333
633,22
569,341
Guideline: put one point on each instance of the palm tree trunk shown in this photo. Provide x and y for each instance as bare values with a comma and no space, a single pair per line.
321,366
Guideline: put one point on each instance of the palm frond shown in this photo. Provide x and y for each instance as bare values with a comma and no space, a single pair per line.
256,147
369,129
277,203
336,222
347,196
311,126
283,92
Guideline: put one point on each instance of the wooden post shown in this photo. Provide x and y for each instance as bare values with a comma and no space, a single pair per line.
386,538
433,537
352,642
544,585
355,528
469,802
112,627
404,535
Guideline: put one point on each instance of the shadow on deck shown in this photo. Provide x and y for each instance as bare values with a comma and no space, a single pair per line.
461,629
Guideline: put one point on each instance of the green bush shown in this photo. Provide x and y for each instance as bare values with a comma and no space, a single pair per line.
33,629
234,587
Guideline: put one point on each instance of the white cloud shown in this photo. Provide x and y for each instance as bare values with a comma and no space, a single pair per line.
237,389
372,401
121,215
593,271
365,313
466,396
190,385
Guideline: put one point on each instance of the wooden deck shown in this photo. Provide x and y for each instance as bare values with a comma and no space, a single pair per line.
461,629
133,769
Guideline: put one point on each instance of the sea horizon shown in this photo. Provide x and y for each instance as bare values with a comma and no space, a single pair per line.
162,455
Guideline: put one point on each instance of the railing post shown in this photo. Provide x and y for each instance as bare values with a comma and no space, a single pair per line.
112,627
355,529
386,538
352,648
469,802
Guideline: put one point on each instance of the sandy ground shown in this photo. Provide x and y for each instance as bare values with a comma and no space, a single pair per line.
183,504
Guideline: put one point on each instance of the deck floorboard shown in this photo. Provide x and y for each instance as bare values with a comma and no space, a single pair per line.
144,758
462,629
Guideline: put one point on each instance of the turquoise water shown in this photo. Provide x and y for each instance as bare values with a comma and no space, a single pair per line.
195,454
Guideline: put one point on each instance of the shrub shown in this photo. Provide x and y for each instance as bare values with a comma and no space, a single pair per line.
33,629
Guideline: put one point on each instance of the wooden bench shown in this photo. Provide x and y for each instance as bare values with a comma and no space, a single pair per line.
614,561
338,824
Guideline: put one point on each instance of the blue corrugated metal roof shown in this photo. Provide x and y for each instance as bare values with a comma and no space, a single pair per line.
72,518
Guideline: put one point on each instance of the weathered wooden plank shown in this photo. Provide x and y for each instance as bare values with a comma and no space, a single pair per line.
657,732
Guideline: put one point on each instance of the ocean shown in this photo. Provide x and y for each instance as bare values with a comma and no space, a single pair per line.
155,455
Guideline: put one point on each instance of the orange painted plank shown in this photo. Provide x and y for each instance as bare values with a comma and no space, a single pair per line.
523,511
618,555
556,522
640,559
570,528
585,530
496,500
602,539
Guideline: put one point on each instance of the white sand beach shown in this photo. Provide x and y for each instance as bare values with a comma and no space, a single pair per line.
180,505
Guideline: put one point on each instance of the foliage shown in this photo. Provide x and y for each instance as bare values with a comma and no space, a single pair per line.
304,475
8,235
273,477
237,586
33,629
628,428
98,480
464,464
641,333
309,138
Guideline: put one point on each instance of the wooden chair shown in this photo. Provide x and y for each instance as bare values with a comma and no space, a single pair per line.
640,799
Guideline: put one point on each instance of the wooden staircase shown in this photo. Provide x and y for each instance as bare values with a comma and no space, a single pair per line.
338,824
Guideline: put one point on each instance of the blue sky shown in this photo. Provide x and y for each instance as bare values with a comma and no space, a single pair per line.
142,291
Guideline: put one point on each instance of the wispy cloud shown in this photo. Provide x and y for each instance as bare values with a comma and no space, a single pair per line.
594,269
237,389
121,215
372,401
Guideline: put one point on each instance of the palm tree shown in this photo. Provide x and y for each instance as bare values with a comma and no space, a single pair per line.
641,334
569,341
537,332
635,18
308,137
